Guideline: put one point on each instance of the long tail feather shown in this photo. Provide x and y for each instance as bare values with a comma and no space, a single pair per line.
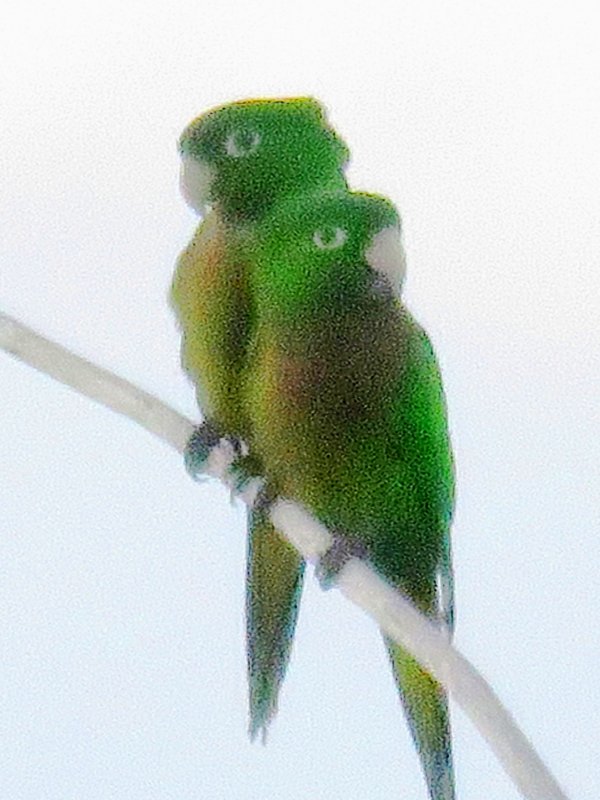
426,710
273,587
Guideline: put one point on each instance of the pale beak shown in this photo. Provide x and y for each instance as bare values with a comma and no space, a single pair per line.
195,180
386,256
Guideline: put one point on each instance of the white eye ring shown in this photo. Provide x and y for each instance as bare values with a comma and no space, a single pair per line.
241,143
325,241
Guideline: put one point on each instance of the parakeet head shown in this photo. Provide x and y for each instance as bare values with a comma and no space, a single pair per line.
328,248
245,156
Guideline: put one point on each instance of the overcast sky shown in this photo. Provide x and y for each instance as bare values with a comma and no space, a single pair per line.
122,669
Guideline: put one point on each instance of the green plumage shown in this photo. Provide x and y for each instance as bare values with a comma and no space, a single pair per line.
345,403
298,343
238,162
274,585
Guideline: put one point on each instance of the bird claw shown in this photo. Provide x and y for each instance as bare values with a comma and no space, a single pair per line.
341,551
199,447
241,473
244,479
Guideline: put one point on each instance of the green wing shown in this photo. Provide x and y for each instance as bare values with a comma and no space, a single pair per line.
273,587
421,415
424,421
420,426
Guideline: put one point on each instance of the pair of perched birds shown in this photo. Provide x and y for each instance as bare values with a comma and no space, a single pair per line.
299,345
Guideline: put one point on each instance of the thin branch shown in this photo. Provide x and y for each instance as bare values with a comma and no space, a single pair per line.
93,381
394,614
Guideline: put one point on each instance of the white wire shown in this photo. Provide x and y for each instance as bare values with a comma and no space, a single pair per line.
394,614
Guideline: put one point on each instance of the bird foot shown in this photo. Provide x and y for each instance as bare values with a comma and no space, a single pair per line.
330,564
244,479
200,445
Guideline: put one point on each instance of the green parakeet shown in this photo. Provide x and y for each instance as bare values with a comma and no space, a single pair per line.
345,399
238,161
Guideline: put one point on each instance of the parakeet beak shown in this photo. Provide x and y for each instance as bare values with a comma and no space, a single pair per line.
195,179
386,256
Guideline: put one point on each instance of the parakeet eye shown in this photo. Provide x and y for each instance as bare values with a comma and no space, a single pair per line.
241,143
329,238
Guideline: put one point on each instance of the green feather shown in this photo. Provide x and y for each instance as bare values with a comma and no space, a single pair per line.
241,159
348,417
274,586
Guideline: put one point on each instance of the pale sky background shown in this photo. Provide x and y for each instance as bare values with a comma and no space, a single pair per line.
122,669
